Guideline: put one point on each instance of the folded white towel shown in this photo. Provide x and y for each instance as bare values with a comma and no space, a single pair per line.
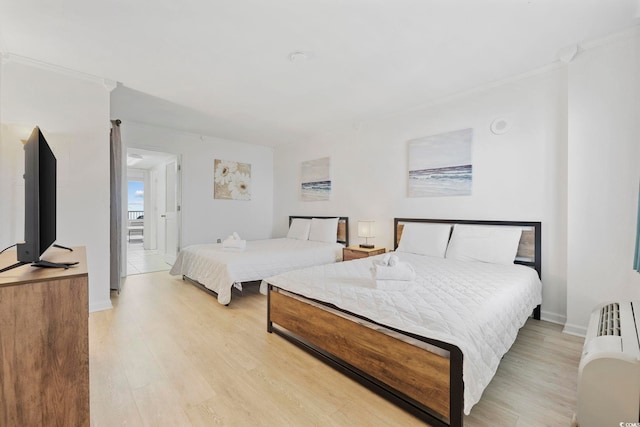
234,244
399,271
387,260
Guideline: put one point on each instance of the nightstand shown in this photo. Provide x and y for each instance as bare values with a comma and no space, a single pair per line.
355,252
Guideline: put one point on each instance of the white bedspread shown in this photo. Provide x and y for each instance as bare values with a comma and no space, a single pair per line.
219,269
478,307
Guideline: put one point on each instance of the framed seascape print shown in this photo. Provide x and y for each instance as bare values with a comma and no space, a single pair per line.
440,165
315,180
231,180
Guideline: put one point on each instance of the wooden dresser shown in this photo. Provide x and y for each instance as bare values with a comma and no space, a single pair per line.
44,342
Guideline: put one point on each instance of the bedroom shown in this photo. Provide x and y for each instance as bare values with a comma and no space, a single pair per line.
542,169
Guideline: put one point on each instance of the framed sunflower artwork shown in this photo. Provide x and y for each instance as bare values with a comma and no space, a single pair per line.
231,180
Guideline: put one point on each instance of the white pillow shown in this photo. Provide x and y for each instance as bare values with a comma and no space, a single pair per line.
498,245
424,239
299,229
324,230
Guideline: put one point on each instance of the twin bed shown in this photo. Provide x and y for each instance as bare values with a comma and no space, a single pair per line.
310,241
431,344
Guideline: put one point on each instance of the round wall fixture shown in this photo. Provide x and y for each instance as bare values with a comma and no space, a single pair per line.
500,126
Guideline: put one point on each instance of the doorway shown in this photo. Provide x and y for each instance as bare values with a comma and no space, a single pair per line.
152,222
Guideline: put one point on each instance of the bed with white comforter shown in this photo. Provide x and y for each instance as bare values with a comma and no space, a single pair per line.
219,269
432,342
476,306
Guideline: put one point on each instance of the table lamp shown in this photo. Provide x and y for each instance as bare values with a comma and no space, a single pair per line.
365,229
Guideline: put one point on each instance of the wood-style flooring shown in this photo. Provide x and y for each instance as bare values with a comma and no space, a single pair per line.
169,355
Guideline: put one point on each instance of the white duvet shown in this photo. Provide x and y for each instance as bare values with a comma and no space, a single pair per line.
219,269
479,307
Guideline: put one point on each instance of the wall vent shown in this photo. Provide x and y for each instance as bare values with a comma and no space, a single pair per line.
609,320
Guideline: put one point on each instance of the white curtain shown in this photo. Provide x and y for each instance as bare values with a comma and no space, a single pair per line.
116,205
636,259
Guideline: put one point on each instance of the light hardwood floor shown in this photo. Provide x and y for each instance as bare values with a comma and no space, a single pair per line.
169,355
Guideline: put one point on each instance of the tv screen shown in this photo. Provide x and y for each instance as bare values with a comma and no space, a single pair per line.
39,197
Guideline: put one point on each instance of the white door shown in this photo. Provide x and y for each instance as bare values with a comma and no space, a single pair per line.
171,212
160,208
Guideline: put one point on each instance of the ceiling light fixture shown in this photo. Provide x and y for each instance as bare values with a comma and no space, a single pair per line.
299,56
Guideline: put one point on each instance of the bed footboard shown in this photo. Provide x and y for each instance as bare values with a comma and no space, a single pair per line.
427,384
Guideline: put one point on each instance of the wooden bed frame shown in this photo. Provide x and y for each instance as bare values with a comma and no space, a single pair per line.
342,236
425,383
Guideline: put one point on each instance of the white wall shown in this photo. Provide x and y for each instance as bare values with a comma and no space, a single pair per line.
520,175
571,160
6,230
205,219
604,171
73,113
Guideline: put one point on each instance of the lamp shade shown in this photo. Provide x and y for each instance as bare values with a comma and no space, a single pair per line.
366,228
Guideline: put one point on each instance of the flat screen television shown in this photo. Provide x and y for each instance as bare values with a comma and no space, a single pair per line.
39,198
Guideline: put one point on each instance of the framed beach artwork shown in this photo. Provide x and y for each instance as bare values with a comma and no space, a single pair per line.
315,180
231,180
440,165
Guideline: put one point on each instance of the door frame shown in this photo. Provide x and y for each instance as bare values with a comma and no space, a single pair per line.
170,258
177,157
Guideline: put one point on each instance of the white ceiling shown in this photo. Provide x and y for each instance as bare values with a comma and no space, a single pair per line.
145,159
225,62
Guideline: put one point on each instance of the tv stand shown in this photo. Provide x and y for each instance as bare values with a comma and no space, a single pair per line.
43,263
48,264
11,267
55,245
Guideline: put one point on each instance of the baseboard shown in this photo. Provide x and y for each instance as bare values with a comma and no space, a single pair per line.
553,317
577,330
99,306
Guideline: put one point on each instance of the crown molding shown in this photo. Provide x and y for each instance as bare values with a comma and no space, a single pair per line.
567,54
471,91
109,84
8,57
628,33
558,64
3,46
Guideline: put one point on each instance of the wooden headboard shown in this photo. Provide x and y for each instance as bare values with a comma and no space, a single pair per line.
529,249
343,226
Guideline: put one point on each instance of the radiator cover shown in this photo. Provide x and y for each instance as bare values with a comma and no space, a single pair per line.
609,373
